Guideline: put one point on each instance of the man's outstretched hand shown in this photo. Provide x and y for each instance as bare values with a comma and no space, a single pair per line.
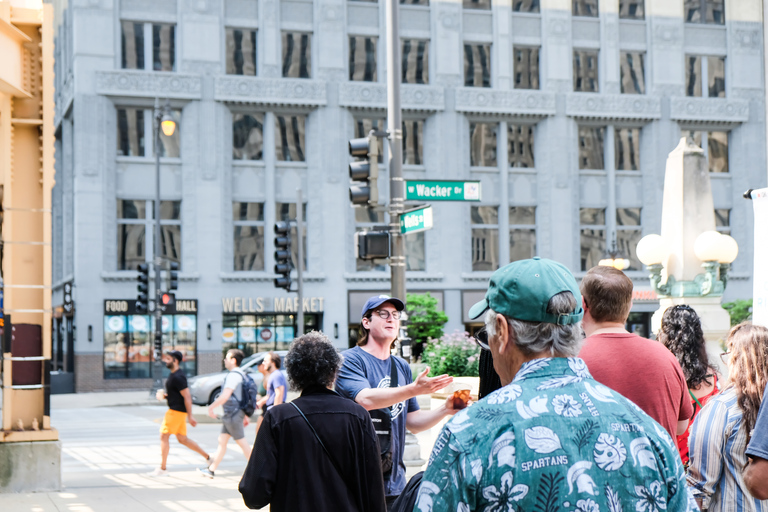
428,385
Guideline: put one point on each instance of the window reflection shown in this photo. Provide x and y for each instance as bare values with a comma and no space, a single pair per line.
362,58
132,45
692,75
413,142
482,144
415,252
525,5
526,67
628,234
717,150
585,8
716,77
705,11
520,145
297,55
723,220
415,61
289,138
632,73
591,141
241,51
170,147
485,238
522,232
287,212
130,246
592,235
130,132
477,65
477,4
632,9
248,237
163,47
248,136
585,78
627,149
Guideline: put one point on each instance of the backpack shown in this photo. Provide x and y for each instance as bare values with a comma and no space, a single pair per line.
250,394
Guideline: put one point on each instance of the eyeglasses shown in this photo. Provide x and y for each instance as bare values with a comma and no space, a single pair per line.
384,314
481,338
725,357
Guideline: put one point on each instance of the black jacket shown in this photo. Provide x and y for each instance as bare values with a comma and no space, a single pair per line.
290,471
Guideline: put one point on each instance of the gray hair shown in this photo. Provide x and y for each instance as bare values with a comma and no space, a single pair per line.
536,337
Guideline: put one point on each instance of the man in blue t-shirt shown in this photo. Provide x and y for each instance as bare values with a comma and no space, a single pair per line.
365,378
756,472
277,387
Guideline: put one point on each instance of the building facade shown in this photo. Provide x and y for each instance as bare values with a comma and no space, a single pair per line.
564,110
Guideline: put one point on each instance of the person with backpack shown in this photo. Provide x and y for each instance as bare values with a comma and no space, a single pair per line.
234,418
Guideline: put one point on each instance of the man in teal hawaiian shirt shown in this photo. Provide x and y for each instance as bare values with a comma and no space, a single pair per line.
552,438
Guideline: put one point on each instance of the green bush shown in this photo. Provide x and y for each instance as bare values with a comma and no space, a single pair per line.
456,354
425,321
739,310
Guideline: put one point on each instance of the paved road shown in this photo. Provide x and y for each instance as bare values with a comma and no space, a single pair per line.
107,452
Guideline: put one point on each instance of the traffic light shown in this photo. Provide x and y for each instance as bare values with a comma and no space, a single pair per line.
158,342
168,299
142,288
370,245
283,255
365,171
173,276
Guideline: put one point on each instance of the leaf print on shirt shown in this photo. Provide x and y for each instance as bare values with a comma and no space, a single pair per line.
559,382
531,367
578,475
566,405
599,392
502,500
663,434
476,468
504,395
462,507
584,434
536,406
651,498
642,454
587,506
614,503
503,448
579,367
609,452
542,440
549,492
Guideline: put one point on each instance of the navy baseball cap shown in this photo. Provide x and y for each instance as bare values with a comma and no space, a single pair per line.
175,354
378,300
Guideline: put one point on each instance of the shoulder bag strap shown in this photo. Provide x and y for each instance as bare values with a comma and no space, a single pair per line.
319,441
392,373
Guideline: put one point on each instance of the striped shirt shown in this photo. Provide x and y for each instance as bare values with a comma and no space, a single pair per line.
717,446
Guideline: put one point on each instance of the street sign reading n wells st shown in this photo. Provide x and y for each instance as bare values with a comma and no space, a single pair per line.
416,220
442,190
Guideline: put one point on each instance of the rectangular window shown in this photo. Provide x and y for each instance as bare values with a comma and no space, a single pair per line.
289,138
591,147
413,142
716,77
248,136
522,232
170,146
365,219
592,231
627,149
414,2
715,146
415,252
297,55
477,65
248,240
525,5
415,61
585,78
362,58
692,75
629,231
363,126
632,73
526,67
130,132
131,233
585,8
477,4
482,144
696,67
485,238
632,9
723,220
705,11
170,230
241,51
132,45
520,145
287,212
163,47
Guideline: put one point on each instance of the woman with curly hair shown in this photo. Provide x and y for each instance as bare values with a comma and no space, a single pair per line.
318,452
681,334
720,434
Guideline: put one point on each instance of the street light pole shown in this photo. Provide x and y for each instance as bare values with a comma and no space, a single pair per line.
157,253
300,262
395,125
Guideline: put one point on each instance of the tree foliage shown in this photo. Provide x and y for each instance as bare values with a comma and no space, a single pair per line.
425,321
739,310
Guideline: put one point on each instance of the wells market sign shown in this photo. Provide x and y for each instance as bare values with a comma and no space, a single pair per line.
277,304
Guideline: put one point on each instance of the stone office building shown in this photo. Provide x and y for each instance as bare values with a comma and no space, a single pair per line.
564,110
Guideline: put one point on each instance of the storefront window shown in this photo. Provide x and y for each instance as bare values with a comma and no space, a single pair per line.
263,332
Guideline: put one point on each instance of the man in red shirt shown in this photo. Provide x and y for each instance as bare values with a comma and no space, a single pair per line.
642,370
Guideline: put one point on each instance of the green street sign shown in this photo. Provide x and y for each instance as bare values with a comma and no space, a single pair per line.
416,220
442,190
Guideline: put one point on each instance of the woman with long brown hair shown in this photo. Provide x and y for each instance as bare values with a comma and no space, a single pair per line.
681,333
720,434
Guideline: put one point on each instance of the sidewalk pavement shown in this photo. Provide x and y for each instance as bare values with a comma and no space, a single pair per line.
109,442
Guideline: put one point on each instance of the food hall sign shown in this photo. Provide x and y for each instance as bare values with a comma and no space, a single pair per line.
278,304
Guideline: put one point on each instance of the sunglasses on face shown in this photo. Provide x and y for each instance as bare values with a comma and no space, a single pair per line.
481,338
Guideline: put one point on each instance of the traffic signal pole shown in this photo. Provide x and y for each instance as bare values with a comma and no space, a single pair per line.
395,125
157,260
300,262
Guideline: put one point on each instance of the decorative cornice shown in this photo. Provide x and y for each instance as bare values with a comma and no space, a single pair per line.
374,95
367,277
612,106
270,91
149,84
504,102
132,275
476,277
709,109
263,277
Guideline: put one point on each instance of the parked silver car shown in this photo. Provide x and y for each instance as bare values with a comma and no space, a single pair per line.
205,389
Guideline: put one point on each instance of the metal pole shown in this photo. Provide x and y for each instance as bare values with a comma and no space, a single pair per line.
765,57
395,128
300,263
157,260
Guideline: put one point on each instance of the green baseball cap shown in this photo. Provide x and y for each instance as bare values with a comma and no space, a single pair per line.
522,290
